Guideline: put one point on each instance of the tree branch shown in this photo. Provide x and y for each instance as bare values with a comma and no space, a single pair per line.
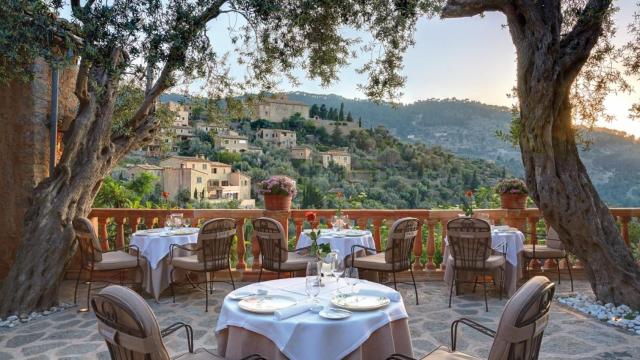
467,8
576,45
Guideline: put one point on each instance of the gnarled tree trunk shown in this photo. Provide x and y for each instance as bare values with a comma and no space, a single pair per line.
548,64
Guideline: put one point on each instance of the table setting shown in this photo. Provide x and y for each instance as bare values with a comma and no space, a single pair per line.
505,240
320,316
340,240
155,245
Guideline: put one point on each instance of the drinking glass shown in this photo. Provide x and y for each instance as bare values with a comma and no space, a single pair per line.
326,268
338,269
186,222
312,281
168,222
351,276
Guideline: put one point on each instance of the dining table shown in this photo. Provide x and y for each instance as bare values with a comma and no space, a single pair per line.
505,240
155,246
340,241
300,331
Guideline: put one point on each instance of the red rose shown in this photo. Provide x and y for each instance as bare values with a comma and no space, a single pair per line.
165,195
469,193
310,216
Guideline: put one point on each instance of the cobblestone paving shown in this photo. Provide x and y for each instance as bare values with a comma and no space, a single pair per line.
570,335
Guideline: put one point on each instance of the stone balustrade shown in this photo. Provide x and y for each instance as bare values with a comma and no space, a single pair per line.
117,224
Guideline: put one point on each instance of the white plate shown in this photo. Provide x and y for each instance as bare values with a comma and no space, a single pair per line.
239,295
357,302
334,314
150,231
266,304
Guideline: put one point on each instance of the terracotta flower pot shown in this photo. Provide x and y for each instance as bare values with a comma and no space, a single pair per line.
513,201
277,202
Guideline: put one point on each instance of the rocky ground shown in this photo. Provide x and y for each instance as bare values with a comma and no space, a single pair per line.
68,334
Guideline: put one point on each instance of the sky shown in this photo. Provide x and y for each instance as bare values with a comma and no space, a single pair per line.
471,58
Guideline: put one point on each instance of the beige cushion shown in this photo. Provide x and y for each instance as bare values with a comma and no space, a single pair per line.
188,263
444,353
199,354
374,262
493,262
543,252
115,260
296,262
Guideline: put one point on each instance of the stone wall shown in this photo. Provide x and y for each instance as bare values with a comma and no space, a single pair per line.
24,145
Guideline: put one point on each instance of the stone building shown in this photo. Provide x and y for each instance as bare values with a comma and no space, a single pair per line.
181,113
24,144
277,107
339,157
301,152
231,143
284,139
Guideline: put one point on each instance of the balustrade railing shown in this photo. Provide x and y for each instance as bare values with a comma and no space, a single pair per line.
117,224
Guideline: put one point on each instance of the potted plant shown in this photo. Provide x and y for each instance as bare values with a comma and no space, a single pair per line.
513,193
278,191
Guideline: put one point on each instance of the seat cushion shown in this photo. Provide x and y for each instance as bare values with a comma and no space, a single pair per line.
296,262
543,252
493,262
114,260
374,262
188,263
444,353
199,354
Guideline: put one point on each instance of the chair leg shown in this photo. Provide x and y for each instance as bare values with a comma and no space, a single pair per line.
75,291
88,291
415,288
231,276
395,285
484,285
558,267
475,282
501,283
173,292
451,287
206,294
260,276
569,269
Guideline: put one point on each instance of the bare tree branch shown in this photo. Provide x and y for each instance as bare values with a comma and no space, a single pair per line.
467,8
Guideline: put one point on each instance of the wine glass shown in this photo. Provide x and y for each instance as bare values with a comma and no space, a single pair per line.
312,286
186,222
326,268
168,222
338,269
351,276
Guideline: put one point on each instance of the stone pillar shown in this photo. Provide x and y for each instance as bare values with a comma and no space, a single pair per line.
24,145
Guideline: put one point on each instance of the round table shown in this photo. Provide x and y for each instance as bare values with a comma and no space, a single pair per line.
155,246
340,241
364,335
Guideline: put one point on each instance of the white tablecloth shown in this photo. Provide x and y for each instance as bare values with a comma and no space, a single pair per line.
155,247
510,243
339,240
308,336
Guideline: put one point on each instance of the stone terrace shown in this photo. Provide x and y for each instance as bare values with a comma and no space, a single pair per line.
570,335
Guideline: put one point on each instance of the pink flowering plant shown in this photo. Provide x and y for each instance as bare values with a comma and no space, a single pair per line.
511,186
278,185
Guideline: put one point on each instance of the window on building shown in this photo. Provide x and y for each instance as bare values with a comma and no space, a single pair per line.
225,183
199,180
215,170
193,166
204,166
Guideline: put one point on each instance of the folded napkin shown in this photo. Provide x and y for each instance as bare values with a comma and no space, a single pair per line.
391,294
291,311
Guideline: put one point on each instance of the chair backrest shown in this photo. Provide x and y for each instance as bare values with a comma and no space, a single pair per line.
401,237
128,325
214,240
469,242
273,242
87,240
523,321
553,239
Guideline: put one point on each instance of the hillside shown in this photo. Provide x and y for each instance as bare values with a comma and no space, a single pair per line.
468,128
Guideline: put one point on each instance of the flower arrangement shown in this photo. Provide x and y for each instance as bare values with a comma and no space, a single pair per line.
278,185
511,186
311,217
467,203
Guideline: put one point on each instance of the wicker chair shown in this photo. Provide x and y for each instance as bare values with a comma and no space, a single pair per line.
93,259
131,331
212,254
553,249
274,253
471,251
520,330
397,255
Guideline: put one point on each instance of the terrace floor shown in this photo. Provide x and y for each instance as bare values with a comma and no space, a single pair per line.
570,335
